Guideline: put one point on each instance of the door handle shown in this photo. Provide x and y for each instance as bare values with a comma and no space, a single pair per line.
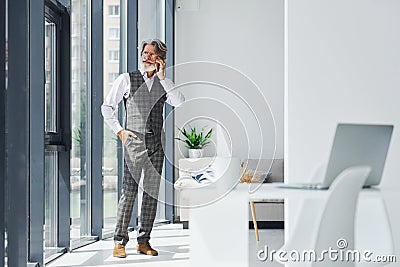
58,148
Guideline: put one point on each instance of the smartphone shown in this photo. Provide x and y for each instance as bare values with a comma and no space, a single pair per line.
157,64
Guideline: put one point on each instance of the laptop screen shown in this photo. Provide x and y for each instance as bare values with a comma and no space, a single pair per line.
359,144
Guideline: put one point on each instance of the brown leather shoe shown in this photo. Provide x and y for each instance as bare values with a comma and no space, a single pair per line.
119,251
146,249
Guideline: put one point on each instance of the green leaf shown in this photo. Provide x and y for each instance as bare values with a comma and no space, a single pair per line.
208,135
194,139
189,144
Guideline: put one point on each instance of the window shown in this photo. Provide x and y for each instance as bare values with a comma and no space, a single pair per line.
75,51
74,29
75,75
113,33
113,55
113,10
112,76
80,159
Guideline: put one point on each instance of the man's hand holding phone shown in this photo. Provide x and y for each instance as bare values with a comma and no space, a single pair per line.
160,68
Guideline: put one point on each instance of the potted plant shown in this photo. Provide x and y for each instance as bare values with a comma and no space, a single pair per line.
195,141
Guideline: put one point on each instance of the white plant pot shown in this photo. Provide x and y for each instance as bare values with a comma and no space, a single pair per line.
196,153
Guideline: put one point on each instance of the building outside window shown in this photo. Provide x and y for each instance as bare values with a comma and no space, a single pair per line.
112,76
113,10
113,55
113,33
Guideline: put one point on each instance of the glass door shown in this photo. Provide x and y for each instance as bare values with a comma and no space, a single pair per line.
56,130
111,62
80,159
52,137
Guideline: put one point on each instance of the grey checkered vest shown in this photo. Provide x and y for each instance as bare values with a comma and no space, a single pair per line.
144,109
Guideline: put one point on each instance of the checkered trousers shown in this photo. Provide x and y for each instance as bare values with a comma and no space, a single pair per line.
144,152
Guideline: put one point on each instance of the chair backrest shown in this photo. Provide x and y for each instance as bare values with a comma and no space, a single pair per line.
336,228
334,222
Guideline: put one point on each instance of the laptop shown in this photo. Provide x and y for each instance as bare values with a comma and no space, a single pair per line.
355,145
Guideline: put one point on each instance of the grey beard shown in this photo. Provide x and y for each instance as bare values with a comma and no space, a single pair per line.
149,67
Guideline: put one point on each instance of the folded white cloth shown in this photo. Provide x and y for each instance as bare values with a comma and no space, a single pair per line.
206,176
195,178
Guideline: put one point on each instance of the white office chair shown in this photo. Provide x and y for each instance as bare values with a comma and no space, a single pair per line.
335,222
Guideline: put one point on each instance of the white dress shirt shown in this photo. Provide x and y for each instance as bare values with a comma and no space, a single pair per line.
121,89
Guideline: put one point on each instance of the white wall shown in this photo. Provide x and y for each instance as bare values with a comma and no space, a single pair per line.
245,38
343,65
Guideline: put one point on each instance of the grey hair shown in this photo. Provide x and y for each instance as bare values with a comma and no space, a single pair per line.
160,47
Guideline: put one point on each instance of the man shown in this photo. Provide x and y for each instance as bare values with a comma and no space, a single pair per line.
144,93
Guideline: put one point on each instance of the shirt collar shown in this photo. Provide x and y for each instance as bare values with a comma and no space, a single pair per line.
144,74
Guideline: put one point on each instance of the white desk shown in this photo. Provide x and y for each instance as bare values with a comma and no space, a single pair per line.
219,230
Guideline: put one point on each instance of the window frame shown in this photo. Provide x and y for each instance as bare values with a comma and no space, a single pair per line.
113,38
111,54
113,8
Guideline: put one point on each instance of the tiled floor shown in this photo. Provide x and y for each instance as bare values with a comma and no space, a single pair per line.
171,241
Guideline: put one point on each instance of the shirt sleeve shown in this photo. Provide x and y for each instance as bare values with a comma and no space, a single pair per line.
174,96
119,90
